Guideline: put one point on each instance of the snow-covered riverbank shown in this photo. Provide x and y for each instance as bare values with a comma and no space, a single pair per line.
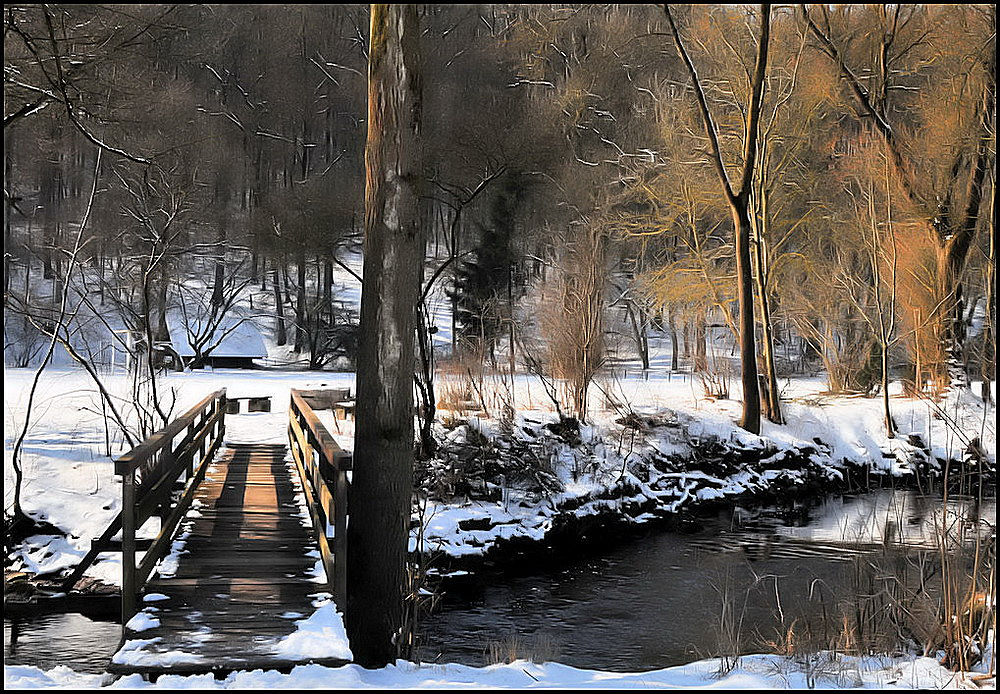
824,670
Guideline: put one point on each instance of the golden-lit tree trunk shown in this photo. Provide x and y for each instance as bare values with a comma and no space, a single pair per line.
989,356
954,244
771,397
393,247
748,347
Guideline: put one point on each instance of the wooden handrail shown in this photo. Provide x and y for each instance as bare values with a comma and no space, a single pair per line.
319,435
322,467
156,441
161,463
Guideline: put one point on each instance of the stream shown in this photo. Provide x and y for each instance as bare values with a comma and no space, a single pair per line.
666,598
659,600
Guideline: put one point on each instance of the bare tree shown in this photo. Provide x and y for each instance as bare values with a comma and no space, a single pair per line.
900,51
739,204
876,294
207,324
573,323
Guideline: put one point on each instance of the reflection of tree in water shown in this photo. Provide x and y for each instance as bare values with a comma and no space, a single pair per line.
15,632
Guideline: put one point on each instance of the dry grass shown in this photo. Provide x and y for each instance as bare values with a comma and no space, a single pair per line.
898,599
538,648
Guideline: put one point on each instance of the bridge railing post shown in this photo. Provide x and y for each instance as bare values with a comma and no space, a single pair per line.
166,461
221,404
340,537
128,547
191,430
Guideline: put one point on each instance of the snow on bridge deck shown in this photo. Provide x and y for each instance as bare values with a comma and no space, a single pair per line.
243,587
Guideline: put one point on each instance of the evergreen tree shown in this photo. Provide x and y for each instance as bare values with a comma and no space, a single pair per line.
482,282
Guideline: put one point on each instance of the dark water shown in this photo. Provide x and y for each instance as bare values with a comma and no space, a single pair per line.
659,600
84,644
651,602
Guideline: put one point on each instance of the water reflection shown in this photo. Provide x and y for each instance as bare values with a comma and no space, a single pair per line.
84,644
896,517
658,601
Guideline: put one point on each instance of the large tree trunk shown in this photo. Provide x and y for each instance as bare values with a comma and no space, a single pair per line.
383,451
953,250
748,348
954,238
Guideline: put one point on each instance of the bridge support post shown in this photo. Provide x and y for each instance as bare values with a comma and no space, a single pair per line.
166,462
128,547
340,537
195,426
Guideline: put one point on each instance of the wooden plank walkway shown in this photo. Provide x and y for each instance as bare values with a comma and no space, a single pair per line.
241,574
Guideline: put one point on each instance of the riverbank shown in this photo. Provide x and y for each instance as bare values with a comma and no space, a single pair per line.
822,670
536,486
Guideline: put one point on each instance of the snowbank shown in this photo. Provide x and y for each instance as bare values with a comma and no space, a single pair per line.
751,672
321,635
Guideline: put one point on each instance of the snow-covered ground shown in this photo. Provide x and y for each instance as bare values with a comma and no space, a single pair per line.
822,671
69,480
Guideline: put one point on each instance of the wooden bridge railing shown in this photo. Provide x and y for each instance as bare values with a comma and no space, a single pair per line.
323,467
151,472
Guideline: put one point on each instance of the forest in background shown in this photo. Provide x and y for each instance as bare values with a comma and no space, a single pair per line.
566,154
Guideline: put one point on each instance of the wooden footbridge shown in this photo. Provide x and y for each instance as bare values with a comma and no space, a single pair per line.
248,563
